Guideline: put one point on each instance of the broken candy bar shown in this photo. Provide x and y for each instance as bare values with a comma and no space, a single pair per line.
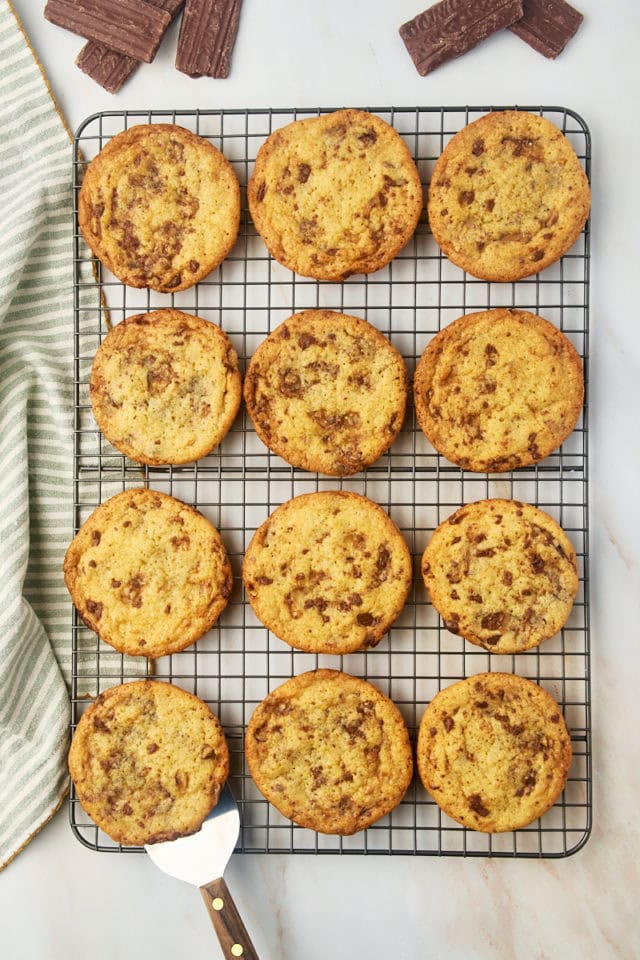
452,27
547,25
207,37
132,27
109,68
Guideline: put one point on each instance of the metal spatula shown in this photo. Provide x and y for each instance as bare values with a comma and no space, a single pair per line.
203,856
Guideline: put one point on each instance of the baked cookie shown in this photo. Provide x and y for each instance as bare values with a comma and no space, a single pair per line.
335,195
165,387
160,207
494,751
502,574
328,572
148,573
498,390
326,392
508,196
148,762
329,751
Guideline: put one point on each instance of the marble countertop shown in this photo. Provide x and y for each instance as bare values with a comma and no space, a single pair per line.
59,900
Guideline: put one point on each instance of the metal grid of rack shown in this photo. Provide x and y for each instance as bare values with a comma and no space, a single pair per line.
238,662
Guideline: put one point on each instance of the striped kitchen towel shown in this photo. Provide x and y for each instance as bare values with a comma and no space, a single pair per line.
36,441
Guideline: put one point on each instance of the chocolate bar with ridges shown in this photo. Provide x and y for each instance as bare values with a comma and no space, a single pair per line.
547,25
132,27
207,37
452,27
112,69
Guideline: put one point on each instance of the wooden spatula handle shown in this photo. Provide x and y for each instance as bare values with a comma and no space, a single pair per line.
233,937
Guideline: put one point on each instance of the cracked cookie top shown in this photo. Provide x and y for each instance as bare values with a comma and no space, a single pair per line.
326,392
502,574
160,207
148,761
165,387
498,390
494,751
329,751
335,195
148,573
328,572
508,196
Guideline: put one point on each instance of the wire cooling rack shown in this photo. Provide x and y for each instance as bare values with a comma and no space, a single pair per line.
238,662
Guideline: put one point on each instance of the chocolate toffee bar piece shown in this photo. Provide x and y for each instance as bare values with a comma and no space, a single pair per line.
547,25
128,26
452,27
207,37
112,69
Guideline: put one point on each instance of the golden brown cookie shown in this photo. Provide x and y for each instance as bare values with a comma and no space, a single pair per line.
494,751
148,762
508,196
329,751
335,195
498,390
148,573
165,387
326,392
160,207
502,574
328,572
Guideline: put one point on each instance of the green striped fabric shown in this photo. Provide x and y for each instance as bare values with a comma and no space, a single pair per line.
36,398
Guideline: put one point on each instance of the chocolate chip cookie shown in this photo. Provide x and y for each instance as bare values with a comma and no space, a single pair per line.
335,195
508,196
329,751
502,574
160,207
165,387
148,573
498,390
326,392
494,751
148,762
328,572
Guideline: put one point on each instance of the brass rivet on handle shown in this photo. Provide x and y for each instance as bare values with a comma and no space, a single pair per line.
237,950
217,903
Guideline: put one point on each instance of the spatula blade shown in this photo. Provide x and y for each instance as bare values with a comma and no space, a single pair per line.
202,856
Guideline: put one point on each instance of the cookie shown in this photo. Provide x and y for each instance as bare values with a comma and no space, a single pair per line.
165,387
148,573
498,390
160,207
326,392
508,196
328,572
494,751
335,195
502,574
329,751
148,762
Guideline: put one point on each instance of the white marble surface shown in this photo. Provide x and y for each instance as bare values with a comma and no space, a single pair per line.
59,900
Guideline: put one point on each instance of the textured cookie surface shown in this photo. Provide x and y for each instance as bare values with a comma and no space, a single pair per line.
498,390
165,387
148,573
328,572
502,574
160,207
494,751
508,196
329,751
148,761
335,195
326,392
